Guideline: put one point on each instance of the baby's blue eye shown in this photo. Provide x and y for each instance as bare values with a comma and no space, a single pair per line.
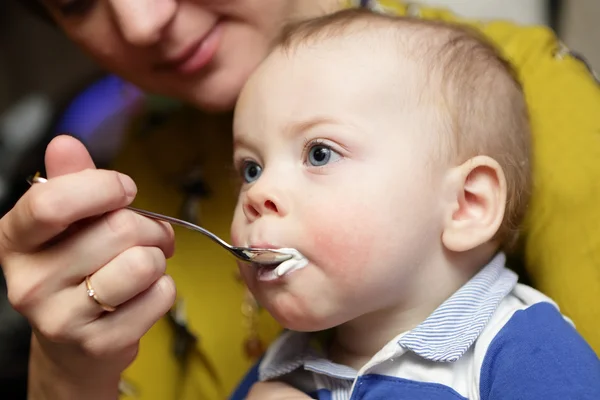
320,155
251,171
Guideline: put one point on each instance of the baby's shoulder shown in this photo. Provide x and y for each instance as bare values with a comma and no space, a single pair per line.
523,315
528,346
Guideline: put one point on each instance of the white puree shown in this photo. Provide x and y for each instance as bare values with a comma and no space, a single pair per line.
295,263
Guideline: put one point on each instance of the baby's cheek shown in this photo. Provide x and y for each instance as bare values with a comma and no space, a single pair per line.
236,229
236,237
339,240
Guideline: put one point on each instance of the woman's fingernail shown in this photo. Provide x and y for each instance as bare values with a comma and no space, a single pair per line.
128,185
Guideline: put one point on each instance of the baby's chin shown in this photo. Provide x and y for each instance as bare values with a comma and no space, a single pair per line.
303,319
305,324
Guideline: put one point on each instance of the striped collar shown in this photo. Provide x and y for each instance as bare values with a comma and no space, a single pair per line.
455,325
443,337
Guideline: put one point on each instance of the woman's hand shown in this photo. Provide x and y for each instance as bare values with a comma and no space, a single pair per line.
58,233
275,391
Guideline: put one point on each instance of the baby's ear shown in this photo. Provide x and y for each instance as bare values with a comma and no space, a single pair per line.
477,203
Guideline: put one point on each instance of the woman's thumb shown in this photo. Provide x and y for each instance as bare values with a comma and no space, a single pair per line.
65,155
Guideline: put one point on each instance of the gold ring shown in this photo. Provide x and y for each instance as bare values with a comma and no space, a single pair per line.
92,293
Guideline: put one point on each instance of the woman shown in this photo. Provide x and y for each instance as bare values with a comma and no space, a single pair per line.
201,51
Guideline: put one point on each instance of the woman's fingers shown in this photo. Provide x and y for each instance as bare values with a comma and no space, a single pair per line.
123,328
120,238
63,316
47,209
66,155
59,314
129,274
100,241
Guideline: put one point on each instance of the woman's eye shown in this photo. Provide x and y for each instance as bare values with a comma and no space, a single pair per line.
320,155
251,171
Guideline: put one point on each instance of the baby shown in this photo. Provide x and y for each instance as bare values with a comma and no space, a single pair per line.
394,154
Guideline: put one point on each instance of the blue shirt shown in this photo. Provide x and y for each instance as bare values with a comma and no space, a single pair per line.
492,339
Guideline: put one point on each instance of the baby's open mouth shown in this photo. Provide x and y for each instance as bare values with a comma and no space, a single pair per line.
276,271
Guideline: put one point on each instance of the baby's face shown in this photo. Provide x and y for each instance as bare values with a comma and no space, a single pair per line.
339,162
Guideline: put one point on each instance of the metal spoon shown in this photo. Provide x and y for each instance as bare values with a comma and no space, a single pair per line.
247,254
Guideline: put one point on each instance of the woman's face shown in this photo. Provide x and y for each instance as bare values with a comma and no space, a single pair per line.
200,51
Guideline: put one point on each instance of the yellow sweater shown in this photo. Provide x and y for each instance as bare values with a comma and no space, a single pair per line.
562,243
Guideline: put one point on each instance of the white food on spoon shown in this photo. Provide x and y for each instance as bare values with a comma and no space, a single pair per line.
298,261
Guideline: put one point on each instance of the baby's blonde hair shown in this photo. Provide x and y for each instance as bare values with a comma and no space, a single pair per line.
480,100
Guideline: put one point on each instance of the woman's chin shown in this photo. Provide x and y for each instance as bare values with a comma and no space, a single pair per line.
217,90
219,103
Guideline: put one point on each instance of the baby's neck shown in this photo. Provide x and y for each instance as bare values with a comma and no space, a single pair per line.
357,341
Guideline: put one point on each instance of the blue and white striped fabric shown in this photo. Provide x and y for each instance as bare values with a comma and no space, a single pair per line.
449,332
493,339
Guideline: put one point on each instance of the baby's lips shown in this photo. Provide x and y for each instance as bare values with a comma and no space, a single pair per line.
297,262
263,245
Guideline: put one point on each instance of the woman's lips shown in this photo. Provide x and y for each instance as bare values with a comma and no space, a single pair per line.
197,56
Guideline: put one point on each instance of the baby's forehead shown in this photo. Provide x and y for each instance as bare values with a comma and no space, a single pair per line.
435,46
375,41
410,38
414,61
370,64
343,68
383,49
346,77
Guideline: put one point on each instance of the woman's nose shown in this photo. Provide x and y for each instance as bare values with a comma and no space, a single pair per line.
142,22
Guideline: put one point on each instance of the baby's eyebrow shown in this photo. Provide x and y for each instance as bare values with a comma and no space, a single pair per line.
243,141
298,127
290,129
